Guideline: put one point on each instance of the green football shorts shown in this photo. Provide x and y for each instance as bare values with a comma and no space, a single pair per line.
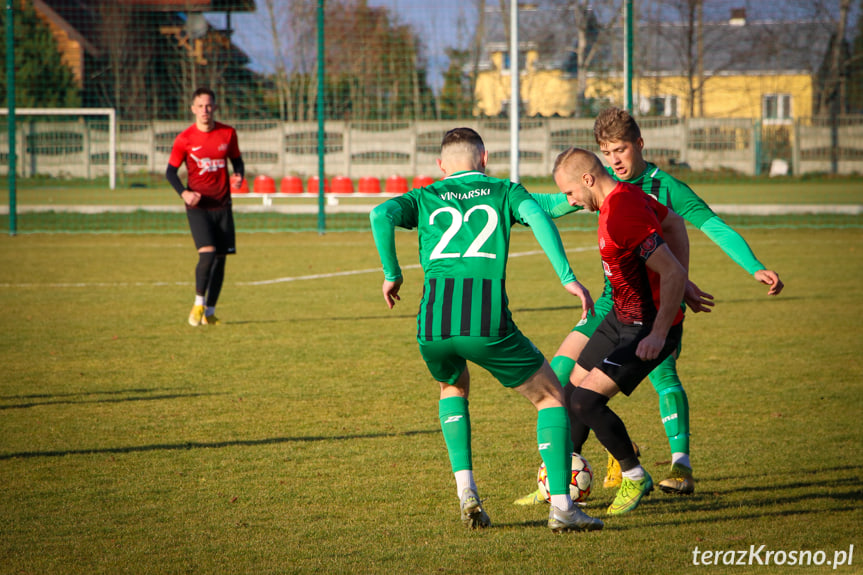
601,308
512,359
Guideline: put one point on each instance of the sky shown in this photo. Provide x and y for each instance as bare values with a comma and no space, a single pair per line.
440,24
448,23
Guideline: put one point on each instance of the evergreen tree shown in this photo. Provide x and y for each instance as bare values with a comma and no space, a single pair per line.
456,101
42,80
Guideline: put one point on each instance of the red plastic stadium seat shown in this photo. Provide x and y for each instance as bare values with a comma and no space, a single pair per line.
291,185
313,185
370,185
244,188
264,185
422,181
396,185
342,185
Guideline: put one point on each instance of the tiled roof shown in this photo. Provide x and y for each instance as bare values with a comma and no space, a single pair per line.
753,47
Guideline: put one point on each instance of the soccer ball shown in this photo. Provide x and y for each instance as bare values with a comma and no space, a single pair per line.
582,477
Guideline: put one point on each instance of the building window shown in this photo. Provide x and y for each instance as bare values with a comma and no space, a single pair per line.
776,107
663,106
522,61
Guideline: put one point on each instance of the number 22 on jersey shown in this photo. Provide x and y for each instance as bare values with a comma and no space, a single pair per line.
473,250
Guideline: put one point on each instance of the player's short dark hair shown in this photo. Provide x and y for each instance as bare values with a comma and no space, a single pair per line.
464,136
204,92
615,125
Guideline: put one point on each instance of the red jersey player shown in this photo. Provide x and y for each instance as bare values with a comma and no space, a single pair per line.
205,148
647,281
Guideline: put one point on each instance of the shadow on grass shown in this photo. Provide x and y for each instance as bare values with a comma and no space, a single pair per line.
318,320
52,401
837,494
212,445
79,393
800,472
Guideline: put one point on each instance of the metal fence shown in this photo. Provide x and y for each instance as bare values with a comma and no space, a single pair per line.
80,147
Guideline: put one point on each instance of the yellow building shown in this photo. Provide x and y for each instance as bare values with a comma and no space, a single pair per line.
763,70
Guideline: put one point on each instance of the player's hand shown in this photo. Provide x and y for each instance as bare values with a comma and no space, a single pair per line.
650,347
236,181
583,294
191,198
696,299
771,278
391,291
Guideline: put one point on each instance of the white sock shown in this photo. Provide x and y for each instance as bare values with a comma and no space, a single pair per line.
562,502
199,300
681,458
211,310
635,474
463,480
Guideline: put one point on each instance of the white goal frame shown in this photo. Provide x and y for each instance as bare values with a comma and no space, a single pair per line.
112,128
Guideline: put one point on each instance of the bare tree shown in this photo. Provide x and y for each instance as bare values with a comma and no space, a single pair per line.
832,90
478,38
281,74
679,41
589,29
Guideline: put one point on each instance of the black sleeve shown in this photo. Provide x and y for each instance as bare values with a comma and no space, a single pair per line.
174,179
239,166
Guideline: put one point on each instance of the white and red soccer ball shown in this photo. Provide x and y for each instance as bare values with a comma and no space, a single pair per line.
582,478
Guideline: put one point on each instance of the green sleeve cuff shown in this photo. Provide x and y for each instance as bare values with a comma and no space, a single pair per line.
549,239
555,205
383,219
732,244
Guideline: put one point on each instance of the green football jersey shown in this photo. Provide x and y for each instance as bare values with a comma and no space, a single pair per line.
673,193
464,223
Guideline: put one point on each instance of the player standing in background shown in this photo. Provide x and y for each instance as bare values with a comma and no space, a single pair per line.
205,147
619,138
464,223
645,323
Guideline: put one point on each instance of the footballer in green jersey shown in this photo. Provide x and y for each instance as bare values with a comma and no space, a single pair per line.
619,139
464,223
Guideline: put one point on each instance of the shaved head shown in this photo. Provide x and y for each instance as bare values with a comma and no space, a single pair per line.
577,161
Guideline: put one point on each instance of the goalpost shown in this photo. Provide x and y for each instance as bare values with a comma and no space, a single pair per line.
110,113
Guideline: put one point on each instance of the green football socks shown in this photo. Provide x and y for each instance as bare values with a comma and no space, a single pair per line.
455,424
673,405
562,367
555,447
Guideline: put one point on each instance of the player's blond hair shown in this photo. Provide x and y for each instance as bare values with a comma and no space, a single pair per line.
577,161
615,125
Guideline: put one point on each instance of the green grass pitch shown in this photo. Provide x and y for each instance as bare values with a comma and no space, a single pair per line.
301,436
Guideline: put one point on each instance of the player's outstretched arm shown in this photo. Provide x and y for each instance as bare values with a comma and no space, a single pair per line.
696,299
771,278
582,293
733,244
549,240
555,205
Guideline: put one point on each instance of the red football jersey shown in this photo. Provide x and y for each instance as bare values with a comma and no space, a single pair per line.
206,155
629,224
